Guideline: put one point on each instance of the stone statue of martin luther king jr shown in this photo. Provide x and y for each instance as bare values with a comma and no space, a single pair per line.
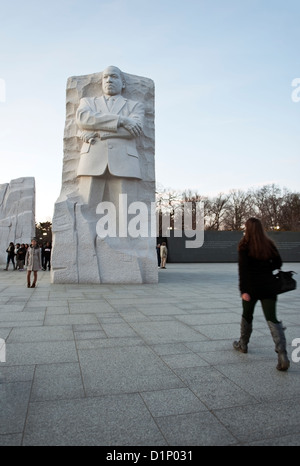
109,126
115,137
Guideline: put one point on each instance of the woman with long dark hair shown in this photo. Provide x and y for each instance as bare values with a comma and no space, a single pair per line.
258,257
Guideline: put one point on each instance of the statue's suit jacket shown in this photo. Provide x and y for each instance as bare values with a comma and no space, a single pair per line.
114,147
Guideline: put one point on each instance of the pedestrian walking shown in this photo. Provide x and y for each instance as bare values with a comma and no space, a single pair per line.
258,257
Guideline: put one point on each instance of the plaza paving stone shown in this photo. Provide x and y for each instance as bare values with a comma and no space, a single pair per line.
144,365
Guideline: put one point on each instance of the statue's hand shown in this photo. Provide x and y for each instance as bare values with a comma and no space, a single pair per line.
134,127
86,136
246,297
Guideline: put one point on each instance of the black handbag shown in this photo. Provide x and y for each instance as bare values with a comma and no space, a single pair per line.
284,281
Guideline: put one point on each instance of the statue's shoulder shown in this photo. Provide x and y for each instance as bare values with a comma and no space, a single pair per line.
91,100
133,103
92,103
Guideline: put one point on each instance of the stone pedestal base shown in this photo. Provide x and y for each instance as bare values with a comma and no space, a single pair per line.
80,256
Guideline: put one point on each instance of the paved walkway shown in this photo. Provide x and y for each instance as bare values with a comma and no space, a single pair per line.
148,365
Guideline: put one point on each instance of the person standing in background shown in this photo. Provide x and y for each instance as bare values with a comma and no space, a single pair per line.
47,256
33,262
163,255
10,256
21,257
158,254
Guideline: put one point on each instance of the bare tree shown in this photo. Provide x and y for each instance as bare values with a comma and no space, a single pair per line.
269,202
215,211
289,218
167,203
43,232
190,202
278,209
238,208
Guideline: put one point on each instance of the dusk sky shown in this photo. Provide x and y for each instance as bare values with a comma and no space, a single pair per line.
227,105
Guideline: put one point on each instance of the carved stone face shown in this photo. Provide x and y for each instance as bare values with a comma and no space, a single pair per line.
112,83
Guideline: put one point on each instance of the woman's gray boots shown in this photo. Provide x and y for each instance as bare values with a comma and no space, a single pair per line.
246,330
278,336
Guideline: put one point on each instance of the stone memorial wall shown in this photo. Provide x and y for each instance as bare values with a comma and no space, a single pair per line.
221,246
17,213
